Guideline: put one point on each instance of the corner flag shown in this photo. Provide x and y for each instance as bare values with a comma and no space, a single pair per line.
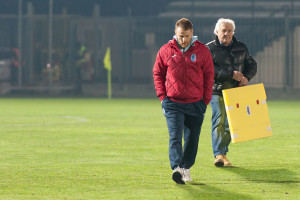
107,61
107,65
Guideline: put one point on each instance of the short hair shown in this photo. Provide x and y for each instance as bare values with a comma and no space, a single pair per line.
184,23
224,21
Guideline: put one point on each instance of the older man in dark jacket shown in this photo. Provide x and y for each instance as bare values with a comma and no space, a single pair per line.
233,67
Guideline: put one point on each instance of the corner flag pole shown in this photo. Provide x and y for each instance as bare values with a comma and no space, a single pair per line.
107,66
109,84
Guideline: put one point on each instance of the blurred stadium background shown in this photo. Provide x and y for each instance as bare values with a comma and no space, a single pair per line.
56,47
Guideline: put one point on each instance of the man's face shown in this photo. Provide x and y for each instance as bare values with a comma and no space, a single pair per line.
184,37
225,33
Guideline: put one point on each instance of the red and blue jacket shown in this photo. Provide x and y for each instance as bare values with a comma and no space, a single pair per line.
184,77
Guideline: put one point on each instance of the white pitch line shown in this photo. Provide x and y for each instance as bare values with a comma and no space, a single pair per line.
75,120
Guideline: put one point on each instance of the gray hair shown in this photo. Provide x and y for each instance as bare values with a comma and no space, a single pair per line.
224,21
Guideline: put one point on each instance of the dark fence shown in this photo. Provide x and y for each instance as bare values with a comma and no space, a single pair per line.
78,46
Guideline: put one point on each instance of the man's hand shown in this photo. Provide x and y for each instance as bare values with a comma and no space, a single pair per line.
237,76
244,81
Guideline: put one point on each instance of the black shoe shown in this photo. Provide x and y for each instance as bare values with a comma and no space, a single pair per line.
177,175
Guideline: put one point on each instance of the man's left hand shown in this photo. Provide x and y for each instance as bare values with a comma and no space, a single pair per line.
244,81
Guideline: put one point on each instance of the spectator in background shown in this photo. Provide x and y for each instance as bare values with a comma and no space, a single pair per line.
233,67
80,60
14,59
183,77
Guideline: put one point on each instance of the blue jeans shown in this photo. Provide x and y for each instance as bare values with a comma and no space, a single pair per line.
220,133
187,118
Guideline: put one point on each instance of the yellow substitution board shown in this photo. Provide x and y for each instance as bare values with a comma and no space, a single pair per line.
247,113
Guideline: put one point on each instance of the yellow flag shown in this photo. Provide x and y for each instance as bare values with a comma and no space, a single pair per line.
107,61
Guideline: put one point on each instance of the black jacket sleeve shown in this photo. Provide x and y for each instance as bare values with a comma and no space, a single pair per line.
250,68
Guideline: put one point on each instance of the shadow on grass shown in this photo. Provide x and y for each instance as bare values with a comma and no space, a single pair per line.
265,175
198,190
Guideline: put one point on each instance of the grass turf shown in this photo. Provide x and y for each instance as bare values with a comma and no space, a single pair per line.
118,149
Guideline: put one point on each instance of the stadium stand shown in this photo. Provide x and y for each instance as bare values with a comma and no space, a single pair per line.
231,8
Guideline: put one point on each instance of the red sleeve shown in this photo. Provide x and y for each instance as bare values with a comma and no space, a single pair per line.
208,76
159,75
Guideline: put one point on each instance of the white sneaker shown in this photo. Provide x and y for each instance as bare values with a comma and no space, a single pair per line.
177,175
187,175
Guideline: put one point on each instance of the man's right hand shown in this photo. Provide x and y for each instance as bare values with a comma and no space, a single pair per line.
237,76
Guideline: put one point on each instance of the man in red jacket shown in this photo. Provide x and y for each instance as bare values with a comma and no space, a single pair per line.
183,77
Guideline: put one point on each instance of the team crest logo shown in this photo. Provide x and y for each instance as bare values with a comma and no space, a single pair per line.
193,58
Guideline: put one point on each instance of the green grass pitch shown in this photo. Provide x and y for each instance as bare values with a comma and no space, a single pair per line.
118,149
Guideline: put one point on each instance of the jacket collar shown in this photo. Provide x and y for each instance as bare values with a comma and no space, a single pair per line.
174,42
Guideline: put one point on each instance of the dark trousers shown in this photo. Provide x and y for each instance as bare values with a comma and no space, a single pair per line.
187,118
